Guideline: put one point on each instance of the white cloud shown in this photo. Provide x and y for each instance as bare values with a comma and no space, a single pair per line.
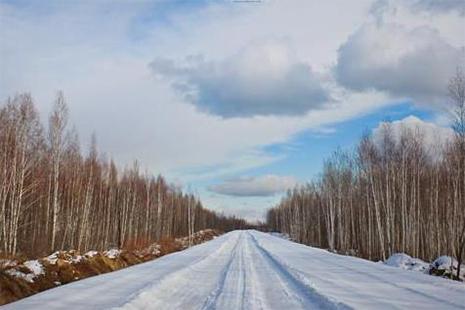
266,185
415,63
433,135
412,14
264,78
220,30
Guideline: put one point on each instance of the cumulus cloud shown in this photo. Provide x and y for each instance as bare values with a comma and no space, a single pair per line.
413,63
264,78
266,185
433,135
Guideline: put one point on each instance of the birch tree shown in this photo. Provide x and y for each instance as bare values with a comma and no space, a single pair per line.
57,124
457,95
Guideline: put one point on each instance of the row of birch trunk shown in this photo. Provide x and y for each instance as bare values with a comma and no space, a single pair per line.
397,192
52,196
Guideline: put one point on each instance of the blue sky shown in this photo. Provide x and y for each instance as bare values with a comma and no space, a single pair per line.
236,102
309,149
303,155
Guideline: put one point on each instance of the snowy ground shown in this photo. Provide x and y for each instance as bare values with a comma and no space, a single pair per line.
253,270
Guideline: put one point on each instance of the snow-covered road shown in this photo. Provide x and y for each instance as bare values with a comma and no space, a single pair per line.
253,270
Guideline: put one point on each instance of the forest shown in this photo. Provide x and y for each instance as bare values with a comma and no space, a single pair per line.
392,193
55,196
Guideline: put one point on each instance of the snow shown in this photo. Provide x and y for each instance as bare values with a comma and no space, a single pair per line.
76,259
35,267
91,253
253,270
112,254
52,258
29,277
404,261
196,238
446,266
444,263
69,256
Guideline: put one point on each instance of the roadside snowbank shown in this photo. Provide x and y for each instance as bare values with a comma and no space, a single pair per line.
444,266
404,261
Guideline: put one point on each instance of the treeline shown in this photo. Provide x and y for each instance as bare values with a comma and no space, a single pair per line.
53,197
394,193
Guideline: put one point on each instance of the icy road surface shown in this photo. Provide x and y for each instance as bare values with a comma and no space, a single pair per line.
253,270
